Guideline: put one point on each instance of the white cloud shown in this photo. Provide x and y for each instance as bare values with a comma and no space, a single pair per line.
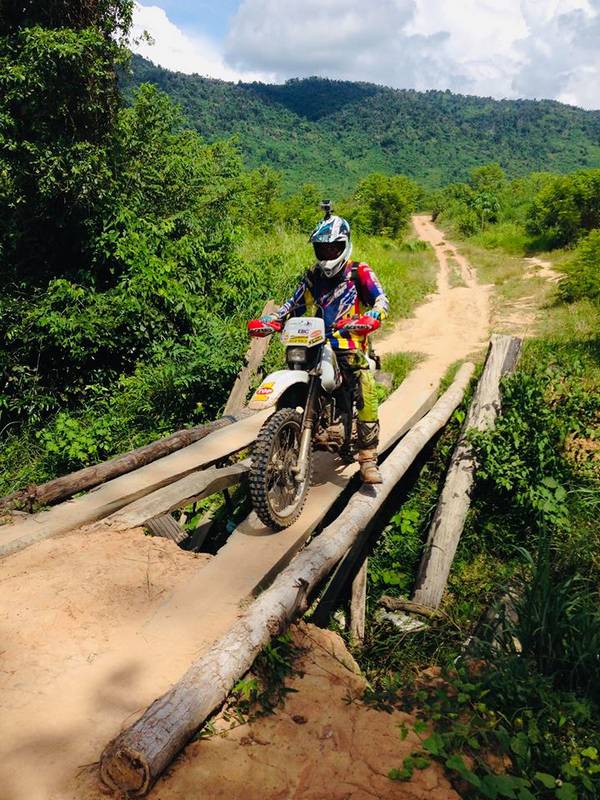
561,53
503,48
176,50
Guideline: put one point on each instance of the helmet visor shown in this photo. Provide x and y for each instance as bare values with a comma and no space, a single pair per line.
329,251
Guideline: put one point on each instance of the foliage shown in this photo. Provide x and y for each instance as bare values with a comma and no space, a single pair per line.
334,133
502,732
382,205
583,273
567,207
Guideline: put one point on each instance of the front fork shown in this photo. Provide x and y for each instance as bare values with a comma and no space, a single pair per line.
308,422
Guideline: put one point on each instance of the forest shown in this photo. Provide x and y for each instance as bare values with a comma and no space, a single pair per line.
145,216
332,133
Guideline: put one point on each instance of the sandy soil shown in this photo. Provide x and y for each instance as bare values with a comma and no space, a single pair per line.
71,606
318,746
454,322
538,268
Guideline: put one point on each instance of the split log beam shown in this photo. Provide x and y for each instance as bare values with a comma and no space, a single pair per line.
358,605
451,511
184,492
61,488
132,762
254,358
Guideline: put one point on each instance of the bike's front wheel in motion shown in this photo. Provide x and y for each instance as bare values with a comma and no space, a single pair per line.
277,495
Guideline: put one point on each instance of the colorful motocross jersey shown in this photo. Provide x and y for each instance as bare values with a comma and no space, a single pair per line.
337,298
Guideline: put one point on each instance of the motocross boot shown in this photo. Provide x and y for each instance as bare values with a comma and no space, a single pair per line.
368,439
369,471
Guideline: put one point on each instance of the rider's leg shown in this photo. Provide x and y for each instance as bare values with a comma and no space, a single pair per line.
368,426
355,368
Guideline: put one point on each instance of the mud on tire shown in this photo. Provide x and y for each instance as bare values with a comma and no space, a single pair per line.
271,483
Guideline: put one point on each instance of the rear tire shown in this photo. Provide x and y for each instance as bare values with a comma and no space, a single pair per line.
277,497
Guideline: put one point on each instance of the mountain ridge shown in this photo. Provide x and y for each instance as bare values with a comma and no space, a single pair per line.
332,132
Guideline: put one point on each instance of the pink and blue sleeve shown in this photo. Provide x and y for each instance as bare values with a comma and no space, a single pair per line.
373,290
296,305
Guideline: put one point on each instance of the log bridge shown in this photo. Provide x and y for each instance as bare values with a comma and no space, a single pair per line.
259,581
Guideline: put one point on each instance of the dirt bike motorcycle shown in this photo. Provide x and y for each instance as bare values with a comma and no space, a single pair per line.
315,411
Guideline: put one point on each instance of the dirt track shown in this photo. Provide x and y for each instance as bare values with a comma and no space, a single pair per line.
84,599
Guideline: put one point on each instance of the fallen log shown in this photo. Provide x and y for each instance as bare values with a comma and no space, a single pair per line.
133,761
68,485
167,528
400,604
451,511
254,358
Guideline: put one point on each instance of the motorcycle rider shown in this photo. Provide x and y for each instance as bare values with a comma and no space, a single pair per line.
337,289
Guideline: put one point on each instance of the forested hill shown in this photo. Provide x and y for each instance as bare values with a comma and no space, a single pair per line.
335,132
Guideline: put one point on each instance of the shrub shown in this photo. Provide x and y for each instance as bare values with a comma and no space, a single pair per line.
583,274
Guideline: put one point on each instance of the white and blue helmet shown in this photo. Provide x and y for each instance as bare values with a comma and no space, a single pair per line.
332,245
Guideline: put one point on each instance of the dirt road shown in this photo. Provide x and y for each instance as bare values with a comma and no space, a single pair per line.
452,323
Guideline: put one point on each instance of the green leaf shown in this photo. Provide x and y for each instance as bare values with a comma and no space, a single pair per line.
400,774
546,780
525,794
566,792
502,785
520,745
591,753
434,744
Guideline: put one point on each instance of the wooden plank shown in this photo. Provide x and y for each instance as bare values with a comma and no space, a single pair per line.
132,762
252,361
122,491
87,478
358,605
184,492
454,502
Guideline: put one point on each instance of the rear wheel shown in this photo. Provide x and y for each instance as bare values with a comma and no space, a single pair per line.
278,498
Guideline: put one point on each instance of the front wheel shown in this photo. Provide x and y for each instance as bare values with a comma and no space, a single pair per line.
278,498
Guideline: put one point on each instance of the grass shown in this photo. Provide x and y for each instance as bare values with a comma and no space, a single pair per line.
407,276
399,364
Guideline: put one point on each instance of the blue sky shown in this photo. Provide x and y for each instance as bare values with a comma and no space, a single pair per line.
200,16
497,48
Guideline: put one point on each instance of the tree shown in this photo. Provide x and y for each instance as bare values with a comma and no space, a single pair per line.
566,208
382,204
58,105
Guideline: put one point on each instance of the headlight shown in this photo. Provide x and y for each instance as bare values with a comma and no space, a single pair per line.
296,355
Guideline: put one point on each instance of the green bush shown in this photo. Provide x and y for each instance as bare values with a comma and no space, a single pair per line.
567,207
583,273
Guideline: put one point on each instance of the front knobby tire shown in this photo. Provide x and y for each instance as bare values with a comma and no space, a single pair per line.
277,497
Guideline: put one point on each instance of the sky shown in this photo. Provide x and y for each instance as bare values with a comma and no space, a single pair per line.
498,48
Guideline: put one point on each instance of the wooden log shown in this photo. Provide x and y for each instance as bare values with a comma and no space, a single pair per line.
134,760
254,358
451,511
89,477
358,605
184,492
400,604
167,528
